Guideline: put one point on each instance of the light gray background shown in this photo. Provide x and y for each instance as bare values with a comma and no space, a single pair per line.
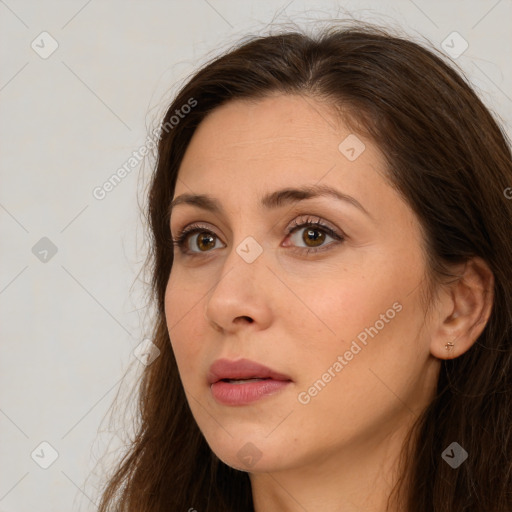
69,325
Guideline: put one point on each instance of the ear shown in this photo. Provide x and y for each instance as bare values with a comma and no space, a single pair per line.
463,310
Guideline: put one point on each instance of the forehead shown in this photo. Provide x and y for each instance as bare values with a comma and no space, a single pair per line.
267,121
280,139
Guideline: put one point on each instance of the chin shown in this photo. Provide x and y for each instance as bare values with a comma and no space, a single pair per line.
249,454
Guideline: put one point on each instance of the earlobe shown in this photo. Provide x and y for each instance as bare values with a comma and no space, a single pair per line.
465,307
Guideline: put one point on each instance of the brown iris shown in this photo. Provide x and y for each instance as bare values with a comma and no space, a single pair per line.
205,236
309,236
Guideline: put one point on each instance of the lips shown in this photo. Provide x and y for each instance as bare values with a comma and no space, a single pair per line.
236,372
244,382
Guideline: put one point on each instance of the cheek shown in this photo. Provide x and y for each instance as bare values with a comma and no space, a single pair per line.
372,306
344,304
184,315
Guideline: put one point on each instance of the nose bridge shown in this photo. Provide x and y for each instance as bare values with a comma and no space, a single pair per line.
245,260
245,234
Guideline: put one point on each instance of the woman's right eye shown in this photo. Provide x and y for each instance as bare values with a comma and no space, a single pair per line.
181,240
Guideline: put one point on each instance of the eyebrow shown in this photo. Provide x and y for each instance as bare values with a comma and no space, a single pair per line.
273,200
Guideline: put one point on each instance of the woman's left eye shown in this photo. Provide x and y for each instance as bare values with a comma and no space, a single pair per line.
315,235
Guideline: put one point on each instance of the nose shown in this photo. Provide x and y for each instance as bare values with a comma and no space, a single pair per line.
241,295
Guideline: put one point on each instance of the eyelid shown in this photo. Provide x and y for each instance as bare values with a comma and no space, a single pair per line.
299,218
306,218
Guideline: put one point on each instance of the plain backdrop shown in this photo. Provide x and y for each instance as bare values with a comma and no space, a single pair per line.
81,84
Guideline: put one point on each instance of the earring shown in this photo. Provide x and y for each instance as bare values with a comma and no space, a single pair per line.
449,345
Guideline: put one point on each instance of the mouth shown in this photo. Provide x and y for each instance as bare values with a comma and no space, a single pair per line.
242,370
243,381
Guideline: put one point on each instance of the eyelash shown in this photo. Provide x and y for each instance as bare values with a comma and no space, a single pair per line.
180,240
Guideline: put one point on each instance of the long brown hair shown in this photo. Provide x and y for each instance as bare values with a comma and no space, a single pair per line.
451,161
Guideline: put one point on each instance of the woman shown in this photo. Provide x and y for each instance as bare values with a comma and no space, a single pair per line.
331,268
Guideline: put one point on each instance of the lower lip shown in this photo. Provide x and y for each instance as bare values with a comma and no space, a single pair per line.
242,394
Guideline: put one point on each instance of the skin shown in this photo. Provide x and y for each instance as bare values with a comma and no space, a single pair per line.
296,313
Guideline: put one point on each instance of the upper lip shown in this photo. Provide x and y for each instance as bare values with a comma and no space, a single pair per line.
241,369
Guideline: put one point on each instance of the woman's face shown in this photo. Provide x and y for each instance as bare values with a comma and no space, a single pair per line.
344,327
